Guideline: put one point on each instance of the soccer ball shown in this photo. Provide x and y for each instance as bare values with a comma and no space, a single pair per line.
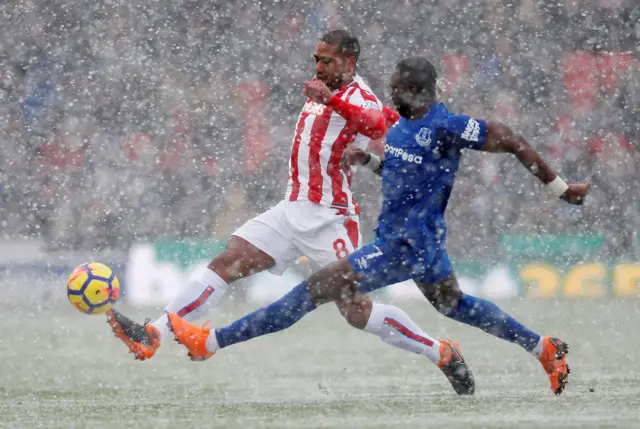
93,288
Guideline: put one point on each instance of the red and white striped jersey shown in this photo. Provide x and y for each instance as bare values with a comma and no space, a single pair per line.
321,136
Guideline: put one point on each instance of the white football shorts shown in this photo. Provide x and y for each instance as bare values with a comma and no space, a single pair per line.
293,229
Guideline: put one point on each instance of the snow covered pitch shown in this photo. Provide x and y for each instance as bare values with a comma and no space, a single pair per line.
63,369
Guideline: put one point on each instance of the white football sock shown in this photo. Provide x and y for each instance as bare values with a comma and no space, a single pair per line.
394,327
537,350
202,294
212,342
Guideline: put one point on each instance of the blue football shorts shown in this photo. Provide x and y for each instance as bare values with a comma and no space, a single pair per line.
385,263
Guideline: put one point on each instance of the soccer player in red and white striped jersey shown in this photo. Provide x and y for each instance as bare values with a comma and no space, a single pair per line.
322,135
318,217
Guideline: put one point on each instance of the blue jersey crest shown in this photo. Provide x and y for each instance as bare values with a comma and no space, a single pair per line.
424,137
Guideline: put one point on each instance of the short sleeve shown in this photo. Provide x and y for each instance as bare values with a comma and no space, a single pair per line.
364,99
464,132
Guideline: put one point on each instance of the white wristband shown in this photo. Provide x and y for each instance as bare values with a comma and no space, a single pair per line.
373,163
558,187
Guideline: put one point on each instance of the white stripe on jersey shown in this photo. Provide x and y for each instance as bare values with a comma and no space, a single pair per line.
303,155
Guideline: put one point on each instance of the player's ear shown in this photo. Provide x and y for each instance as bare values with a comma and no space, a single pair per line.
351,63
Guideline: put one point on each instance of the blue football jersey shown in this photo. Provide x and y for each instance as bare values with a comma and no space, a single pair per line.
421,160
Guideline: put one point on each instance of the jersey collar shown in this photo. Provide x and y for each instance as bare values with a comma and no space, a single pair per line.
433,111
353,82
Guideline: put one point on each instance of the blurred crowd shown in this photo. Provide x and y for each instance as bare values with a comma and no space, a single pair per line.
126,121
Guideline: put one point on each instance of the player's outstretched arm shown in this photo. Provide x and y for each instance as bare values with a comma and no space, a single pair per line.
502,139
390,115
368,122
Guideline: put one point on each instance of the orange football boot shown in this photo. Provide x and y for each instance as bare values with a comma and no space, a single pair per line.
193,337
554,362
454,366
142,340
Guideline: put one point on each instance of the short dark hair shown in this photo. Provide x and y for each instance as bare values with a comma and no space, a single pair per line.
345,42
419,72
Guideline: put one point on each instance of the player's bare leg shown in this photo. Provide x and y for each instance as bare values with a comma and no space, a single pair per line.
356,311
391,324
205,290
449,300
336,282
240,259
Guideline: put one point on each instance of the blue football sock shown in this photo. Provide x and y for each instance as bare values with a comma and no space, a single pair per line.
272,318
490,318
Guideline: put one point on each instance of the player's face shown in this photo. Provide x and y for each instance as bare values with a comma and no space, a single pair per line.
402,94
332,68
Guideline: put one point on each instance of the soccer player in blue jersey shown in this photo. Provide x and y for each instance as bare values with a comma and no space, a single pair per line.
422,155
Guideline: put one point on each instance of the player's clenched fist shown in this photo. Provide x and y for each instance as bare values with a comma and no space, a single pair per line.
576,193
354,156
317,91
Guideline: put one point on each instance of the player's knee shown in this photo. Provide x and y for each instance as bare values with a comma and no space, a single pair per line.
356,311
239,259
223,265
334,282
444,296
445,304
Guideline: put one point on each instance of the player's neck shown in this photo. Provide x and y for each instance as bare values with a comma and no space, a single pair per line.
345,83
419,112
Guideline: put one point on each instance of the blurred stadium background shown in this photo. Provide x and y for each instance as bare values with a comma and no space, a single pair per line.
167,124
141,133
